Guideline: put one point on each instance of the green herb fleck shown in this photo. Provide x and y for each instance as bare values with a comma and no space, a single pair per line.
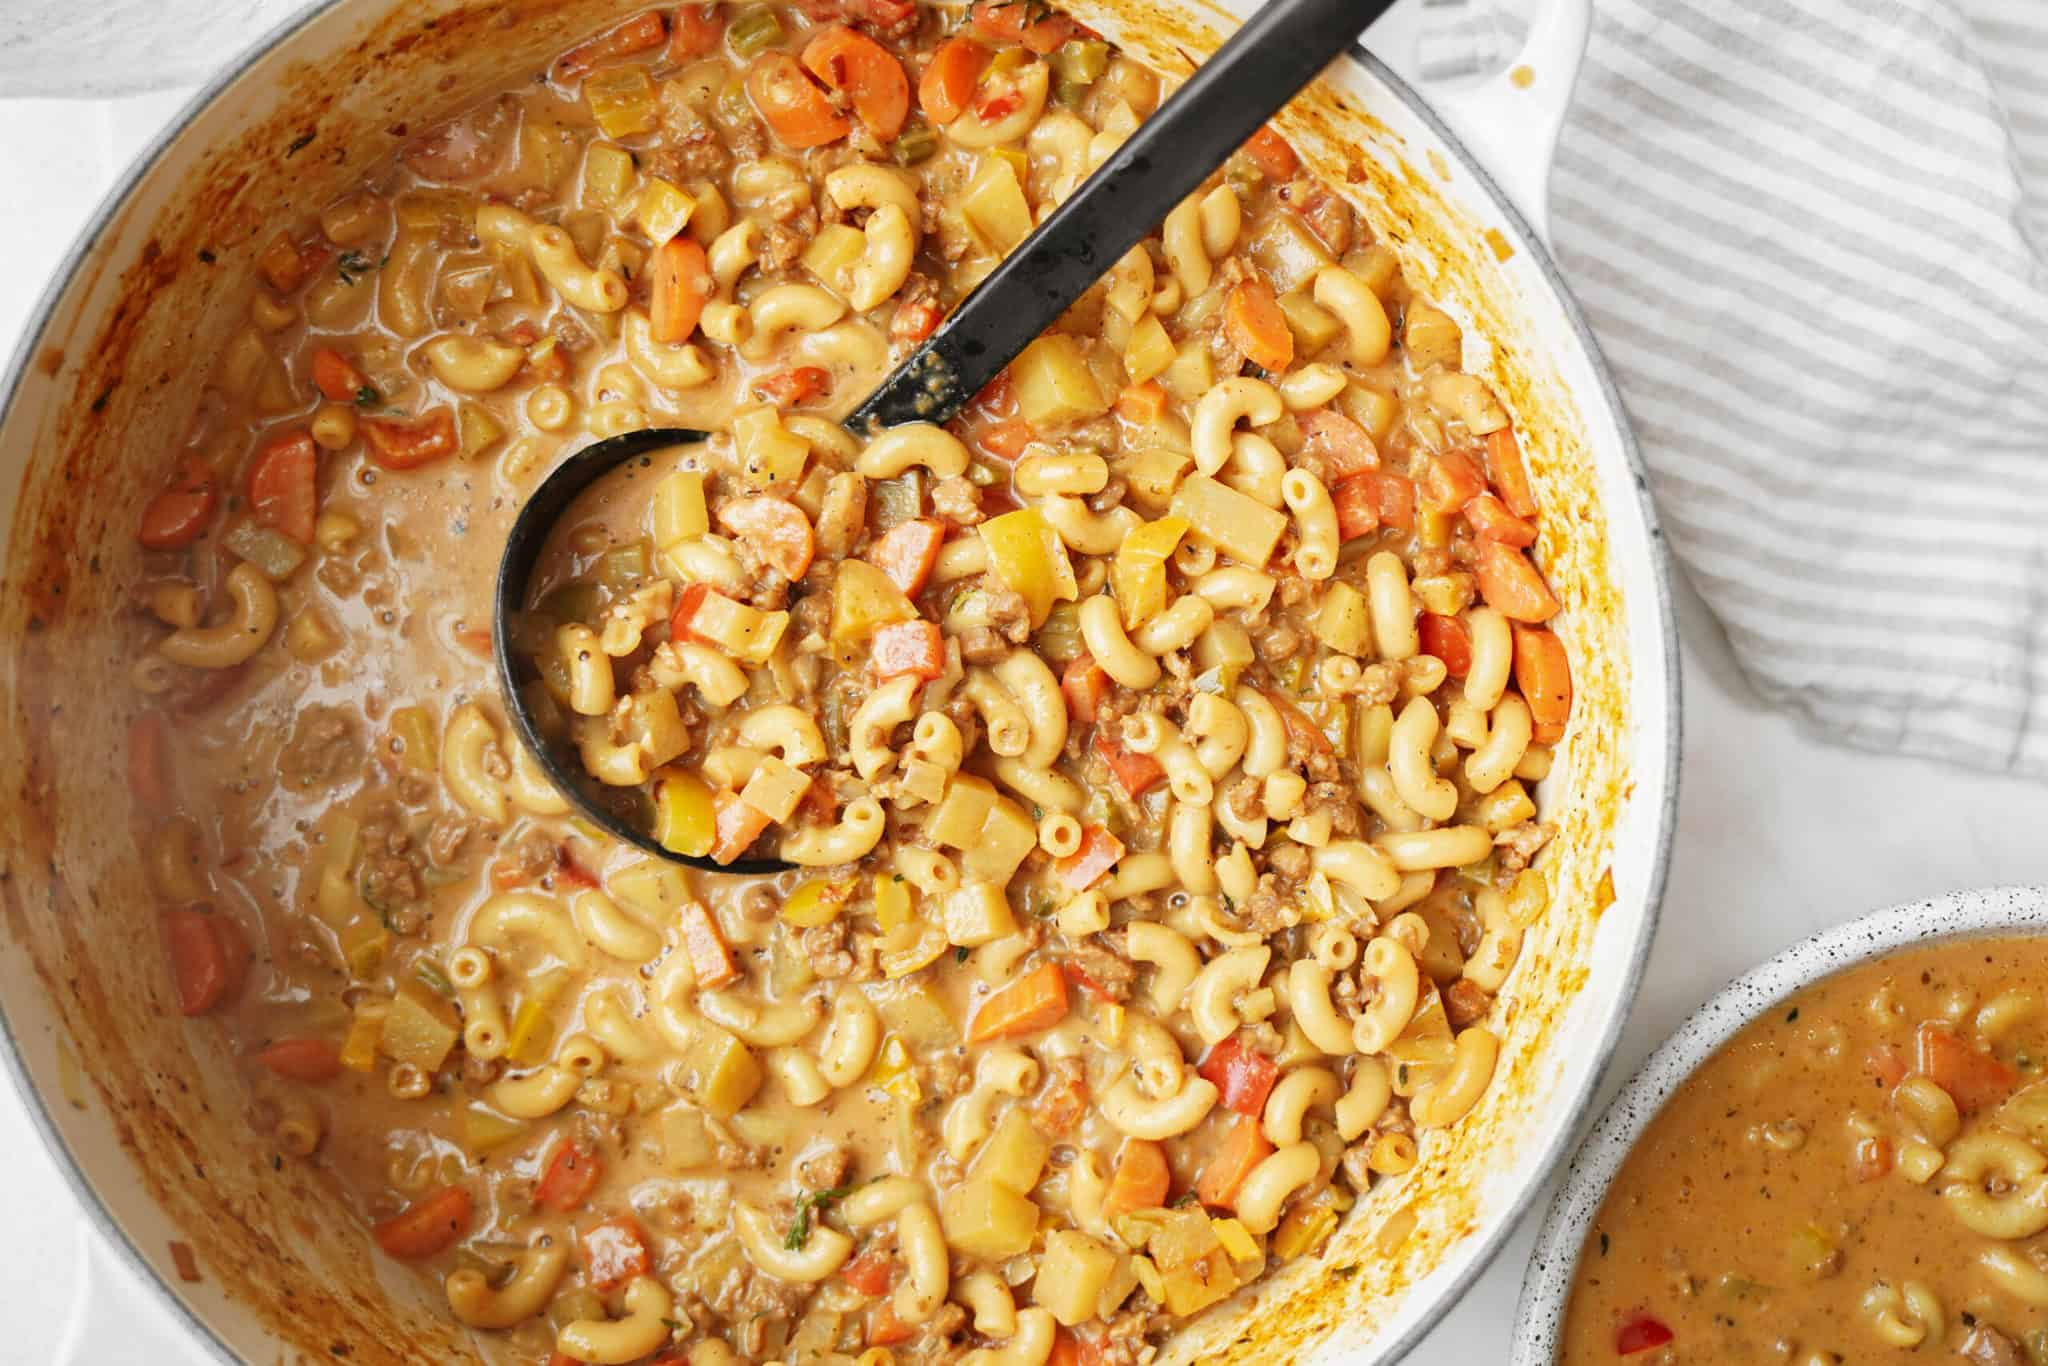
800,1231
1791,1014
1037,812
368,397
351,266
1603,1245
960,954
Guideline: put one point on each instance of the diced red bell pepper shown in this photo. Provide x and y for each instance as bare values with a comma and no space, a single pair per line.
909,647
1244,1075
1134,772
1088,865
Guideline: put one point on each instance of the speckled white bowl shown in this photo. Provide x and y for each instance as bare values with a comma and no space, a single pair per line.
1547,1285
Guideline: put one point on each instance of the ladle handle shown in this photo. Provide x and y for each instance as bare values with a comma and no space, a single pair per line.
1277,52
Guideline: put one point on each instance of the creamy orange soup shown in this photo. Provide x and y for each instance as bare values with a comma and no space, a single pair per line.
1156,741
1858,1175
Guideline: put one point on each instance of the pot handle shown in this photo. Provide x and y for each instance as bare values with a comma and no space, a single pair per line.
1509,120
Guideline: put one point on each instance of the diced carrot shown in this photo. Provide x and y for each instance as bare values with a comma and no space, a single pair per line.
1397,500
866,73
997,398
1006,440
1511,585
1543,673
638,34
908,647
1035,1001
1066,1348
1134,772
1302,733
792,106
695,32
1084,684
570,869
1451,480
1244,1075
203,958
908,552
336,377
883,14
787,388
614,1252
1973,1078
308,1060
871,1273
1491,521
572,1174
1253,322
283,492
775,529
1358,507
1886,1066
915,319
710,960
429,1225
1276,160
1243,1148
678,282
1509,473
1143,404
948,82
688,603
1088,865
408,445
149,760
885,1329
1012,21
1872,1160
1141,1179
1344,447
176,517
1448,640
1063,1104
1078,978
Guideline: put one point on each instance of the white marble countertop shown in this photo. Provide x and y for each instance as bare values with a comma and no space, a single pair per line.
1779,835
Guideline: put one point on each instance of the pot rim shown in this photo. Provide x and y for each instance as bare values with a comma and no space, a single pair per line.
107,211
1984,912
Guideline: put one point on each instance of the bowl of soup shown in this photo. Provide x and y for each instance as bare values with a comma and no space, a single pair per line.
1840,1155
1229,772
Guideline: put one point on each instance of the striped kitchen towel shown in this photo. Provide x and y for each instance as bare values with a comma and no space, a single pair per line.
1812,236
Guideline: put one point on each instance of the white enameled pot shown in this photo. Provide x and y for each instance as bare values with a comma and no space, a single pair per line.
146,1115
1547,1285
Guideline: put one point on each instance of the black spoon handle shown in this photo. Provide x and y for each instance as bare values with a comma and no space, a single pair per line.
1266,63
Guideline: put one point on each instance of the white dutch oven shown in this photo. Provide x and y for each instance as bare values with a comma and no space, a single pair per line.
1547,1286
146,1115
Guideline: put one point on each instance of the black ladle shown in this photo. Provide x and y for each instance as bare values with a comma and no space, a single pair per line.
1277,52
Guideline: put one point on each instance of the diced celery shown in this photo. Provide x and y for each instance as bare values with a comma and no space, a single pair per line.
1081,59
276,555
915,144
753,32
421,1028
621,100
572,602
418,750
533,1029
359,1049
607,173
623,566
484,1129
664,210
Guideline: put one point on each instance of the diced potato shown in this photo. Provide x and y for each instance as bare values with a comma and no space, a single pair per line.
621,100
1441,958
1369,408
1241,527
655,723
959,816
1013,1156
775,788
1314,327
485,1130
1287,253
863,598
1193,372
446,213
652,887
1377,266
833,254
1225,649
685,1141
477,429
1030,558
983,1219
771,456
738,629
365,1030
1153,473
1345,621
719,1072
1007,834
1194,1286
978,914
678,512
309,639
1149,350
467,287
607,174
1431,337
1053,383
1181,1236
994,206
421,1028
663,210
1073,1275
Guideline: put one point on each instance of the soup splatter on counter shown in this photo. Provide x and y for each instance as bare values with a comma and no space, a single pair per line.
1861,1173
1157,740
